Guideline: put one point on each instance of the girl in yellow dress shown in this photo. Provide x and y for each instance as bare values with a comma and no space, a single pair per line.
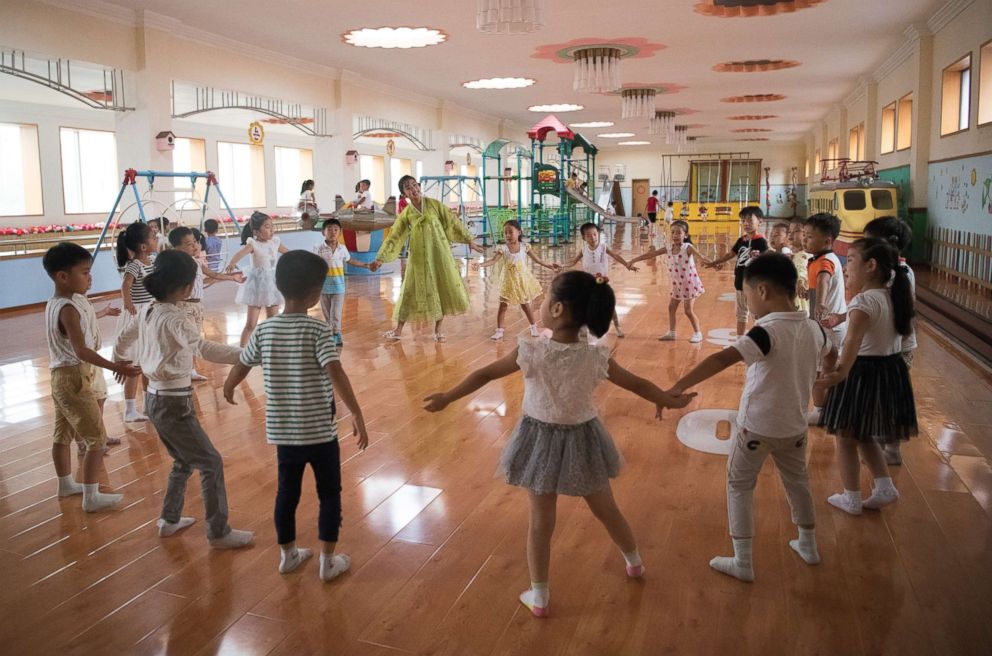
517,284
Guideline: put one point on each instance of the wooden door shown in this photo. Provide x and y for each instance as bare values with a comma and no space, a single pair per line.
639,198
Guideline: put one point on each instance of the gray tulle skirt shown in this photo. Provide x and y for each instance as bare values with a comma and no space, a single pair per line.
572,459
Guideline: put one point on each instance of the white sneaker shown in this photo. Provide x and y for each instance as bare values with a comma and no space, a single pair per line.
498,335
197,376
880,498
841,500
696,338
668,337
130,417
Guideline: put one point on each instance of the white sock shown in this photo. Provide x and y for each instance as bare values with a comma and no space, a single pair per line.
293,558
633,558
68,486
94,500
130,406
537,598
805,546
333,565
167,529
884,484
233,540
738,566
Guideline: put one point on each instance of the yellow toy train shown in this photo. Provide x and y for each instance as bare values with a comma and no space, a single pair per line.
852,192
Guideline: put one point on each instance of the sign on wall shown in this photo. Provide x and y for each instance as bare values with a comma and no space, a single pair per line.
256,133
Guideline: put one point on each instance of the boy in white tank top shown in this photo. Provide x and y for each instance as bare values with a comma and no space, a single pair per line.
72,341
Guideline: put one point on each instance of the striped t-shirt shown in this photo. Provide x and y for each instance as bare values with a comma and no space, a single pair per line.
335,258
138,271
293,350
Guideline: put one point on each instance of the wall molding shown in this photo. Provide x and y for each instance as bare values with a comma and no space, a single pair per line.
898,56
946,14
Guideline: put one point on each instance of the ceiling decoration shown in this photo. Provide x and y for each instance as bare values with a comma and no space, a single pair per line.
752,130
751,8
638,102
682,111
615,135
753,139
752,117
394,37
663,123
757,97
629,47
633,143
755,65
597,69
559,107
499,83
593,124
509,16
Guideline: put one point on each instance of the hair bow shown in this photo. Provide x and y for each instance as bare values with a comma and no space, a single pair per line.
601,279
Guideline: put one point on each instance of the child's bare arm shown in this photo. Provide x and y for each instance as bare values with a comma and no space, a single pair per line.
616,256
237,276
702,258
708,368
126,294
575,260
653,253
531,255
343,387
856,330
356,263
69,320
498,369
491,261
646,389
237,256
822,280
234,377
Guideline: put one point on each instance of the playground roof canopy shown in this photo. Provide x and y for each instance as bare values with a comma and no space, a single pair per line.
548,124
493,149
581,142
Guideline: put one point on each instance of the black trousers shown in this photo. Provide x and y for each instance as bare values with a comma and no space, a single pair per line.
325,460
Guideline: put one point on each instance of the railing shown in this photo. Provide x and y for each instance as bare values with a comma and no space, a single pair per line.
966,256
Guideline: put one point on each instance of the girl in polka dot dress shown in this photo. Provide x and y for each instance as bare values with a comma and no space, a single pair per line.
686,285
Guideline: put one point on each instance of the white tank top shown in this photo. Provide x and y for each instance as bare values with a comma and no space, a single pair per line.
594,260
60,351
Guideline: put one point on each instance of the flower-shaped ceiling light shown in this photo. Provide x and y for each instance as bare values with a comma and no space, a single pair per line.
593,124
751,8
638,102
615,135
394,37
597,61
499,83
754,97
634,143
755,65
560,107
752,117
509,16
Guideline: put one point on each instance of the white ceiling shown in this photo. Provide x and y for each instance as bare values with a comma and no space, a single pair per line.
836,41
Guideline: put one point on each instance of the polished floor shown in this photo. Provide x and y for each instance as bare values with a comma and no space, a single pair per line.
437,541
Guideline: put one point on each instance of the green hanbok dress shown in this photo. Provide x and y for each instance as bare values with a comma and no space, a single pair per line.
432,287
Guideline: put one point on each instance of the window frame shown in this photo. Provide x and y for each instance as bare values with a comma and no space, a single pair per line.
65,210
982,73
881,132
201,183
265,199
957,60
275,171
898,125
41,170
817,164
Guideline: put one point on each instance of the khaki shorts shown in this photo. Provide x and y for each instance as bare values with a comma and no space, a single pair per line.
742,309
77,413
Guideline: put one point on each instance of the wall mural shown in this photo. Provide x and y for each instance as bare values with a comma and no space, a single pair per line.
960,194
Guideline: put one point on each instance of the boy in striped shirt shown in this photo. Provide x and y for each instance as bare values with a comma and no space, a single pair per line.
301,370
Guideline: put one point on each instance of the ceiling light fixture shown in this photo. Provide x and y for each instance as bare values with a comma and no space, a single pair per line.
394,37
634,143
615,135
597,70
662,124
593,124
499,83
638,102
509,16
560,107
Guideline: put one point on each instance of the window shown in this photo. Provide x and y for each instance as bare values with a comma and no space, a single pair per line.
189,155
832,148
373,169
816,162
854,200
420,170
241,174
707,181
880,199
293,166
744,179
397,169
955,99
806,167
20,170
90,179
904,132
888,128
856,142
985,85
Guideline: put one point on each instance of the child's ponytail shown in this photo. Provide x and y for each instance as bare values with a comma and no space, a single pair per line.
892,274
253,225
590,299
129,240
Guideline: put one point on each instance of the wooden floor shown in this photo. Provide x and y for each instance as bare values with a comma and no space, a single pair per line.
437,541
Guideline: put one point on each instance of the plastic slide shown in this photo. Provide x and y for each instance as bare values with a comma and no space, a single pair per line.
585,200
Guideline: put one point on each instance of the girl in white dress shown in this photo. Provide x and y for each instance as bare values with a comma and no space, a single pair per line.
259,290
560,445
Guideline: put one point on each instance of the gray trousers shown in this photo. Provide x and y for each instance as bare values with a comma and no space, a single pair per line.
175,420
332,305
743,465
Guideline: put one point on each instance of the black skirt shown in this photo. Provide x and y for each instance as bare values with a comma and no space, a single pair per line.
874,402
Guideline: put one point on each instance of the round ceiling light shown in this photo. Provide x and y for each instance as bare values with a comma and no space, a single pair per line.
499,83
394,37
593,124
634,143
560,107
615,135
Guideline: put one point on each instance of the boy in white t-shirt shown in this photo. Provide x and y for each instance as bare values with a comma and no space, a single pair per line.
827,302
332,294
781,352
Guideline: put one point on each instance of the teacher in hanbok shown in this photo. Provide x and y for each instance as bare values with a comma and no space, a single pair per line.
432,287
